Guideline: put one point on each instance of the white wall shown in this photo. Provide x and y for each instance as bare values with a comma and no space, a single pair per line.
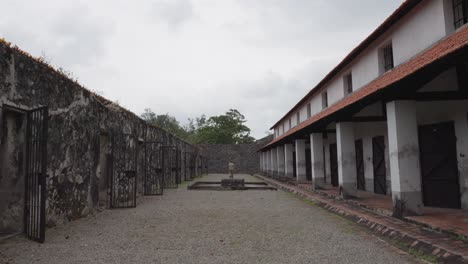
424,26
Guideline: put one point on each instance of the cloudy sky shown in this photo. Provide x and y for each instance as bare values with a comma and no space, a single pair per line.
193,57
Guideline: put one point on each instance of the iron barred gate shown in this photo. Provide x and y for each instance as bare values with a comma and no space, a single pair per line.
123,180
169,167
36,167
178,165
153,182
192,164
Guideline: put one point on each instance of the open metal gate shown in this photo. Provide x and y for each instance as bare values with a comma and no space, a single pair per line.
169,166
178,166
36,167
153,184
123,180
191,165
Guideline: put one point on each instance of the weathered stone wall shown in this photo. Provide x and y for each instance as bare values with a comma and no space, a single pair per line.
78,122
244,156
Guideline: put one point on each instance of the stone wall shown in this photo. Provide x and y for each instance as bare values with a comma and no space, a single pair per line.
80,122
244,156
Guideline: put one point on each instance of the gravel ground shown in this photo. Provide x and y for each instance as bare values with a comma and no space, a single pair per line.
208,227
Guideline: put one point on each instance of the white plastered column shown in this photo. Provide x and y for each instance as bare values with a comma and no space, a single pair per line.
317,162
347,178
280,160
288,157
300,160
268,162
274,162
404,157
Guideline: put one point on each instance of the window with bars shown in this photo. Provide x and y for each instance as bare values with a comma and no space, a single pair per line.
460,12
324,100
309,110
387,53
348,84
298,118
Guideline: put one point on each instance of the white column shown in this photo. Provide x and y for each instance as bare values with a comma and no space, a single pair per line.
280,160
317,162
347,178
262,165
300,160
274,162
461,131
288,157
404,157
267,161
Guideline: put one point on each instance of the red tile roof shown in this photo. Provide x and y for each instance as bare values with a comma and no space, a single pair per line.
400,12
444,48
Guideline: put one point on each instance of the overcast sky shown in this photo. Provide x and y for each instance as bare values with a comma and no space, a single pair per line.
193,57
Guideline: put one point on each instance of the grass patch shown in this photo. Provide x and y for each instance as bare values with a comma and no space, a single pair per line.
417,253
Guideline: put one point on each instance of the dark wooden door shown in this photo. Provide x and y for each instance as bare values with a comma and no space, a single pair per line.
334,164
378,160
308,157
294,165
439,172
324,166
361,182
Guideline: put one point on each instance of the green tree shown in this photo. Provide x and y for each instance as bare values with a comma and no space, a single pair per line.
229,128
166,122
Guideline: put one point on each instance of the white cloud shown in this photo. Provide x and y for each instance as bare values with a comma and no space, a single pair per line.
189,57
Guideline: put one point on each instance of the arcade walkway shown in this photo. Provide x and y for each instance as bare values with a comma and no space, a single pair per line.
207,227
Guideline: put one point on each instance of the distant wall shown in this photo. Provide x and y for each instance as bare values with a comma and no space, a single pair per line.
244,156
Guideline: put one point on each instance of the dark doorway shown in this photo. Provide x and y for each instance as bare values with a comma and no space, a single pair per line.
294,164
439,172
12,183
334,164
361,181
308,157
378,160
123,180
153,178
36,168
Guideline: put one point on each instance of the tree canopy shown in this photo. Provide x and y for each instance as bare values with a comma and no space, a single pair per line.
228,128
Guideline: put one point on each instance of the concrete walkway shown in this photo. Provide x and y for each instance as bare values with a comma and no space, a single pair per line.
208,227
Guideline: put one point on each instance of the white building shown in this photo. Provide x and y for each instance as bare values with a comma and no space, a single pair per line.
391,118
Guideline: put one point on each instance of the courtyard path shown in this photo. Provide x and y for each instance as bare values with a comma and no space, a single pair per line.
185,226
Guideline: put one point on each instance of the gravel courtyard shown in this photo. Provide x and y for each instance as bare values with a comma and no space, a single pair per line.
185,226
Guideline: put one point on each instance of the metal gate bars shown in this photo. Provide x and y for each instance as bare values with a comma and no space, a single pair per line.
123,185
169,155
153,181
35,182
